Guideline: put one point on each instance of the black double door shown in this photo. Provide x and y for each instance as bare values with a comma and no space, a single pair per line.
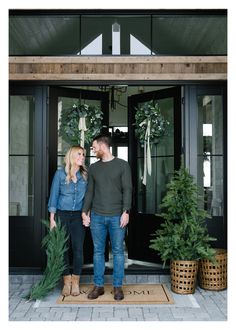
165,159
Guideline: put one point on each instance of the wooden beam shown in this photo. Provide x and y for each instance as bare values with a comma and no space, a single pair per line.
118,68
119,77
117,59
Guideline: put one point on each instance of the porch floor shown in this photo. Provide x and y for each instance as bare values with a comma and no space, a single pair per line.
203,305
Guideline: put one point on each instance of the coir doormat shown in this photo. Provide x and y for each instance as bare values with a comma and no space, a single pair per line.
134,294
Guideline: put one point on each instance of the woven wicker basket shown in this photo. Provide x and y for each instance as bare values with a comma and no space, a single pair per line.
183,276
214,277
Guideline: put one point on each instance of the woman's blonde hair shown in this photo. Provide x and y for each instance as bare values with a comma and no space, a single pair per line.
69,161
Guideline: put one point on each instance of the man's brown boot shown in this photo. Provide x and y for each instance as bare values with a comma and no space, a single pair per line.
96,292
67,285
75,285
118,293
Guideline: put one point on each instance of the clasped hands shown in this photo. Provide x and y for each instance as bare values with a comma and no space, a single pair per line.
124,220
86,219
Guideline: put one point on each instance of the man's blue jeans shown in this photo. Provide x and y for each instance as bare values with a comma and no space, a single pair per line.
100,226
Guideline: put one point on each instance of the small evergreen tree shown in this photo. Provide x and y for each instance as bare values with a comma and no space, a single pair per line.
183,235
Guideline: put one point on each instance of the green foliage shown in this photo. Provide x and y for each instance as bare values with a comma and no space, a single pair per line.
159,125
183,235
69,122
55,244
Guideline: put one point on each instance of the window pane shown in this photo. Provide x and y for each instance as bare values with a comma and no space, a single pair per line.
21,177
189,35
151,195
122,153
210,124
210,152
116,35
21,171
162,159
21,124
44,35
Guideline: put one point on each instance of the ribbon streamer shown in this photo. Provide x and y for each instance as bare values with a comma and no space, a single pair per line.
83,129
147,152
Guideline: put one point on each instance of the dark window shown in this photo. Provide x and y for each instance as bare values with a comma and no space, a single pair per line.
189,35
21,163
137,34
44,35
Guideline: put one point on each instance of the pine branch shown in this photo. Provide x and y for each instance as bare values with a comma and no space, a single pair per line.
55,245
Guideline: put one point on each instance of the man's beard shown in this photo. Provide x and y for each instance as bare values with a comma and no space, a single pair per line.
99,154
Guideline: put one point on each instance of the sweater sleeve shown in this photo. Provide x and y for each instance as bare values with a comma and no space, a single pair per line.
127,187
89,192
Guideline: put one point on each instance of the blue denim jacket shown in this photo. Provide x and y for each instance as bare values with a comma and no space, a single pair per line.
66,196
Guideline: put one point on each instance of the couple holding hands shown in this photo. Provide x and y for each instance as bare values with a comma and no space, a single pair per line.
100,198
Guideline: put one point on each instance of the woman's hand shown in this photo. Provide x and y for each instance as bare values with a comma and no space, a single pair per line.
52,221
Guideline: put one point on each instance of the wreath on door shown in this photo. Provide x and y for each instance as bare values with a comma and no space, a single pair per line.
149,116
80,124
150,127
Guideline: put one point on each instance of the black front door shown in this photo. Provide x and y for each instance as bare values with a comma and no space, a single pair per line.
165,158
64,98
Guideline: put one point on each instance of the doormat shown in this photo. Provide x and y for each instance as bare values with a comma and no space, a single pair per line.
135,294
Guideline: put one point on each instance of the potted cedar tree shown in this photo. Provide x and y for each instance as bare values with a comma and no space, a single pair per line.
183,237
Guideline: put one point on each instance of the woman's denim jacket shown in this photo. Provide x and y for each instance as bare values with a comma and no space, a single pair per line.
66,196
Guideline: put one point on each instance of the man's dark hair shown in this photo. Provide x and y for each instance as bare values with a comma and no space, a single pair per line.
102,138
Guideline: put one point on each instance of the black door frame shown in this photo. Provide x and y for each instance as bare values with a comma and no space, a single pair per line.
139,234
54,93
217,225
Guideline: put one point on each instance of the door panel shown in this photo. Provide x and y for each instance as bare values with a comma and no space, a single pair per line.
61,98
25,160
165,158
211,158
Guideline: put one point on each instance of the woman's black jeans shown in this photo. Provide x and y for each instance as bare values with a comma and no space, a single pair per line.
72,222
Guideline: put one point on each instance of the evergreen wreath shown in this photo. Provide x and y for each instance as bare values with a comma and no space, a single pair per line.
69,123
159,125
55,244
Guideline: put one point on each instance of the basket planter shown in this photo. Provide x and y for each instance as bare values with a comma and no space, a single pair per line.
183,276
214,277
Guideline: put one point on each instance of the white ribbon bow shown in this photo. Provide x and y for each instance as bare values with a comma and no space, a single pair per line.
147,168
82,128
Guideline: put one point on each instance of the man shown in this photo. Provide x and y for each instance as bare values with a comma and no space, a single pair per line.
108,199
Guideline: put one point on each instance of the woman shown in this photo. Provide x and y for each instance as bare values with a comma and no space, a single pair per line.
66,201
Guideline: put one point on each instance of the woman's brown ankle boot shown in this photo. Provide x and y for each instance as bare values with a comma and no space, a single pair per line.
67,285
75,285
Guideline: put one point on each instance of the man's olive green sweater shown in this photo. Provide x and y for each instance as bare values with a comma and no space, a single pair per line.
109,189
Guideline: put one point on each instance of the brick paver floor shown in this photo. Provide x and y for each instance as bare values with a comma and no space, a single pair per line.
203,305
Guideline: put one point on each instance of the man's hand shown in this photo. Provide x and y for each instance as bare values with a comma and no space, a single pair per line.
86,219
124,219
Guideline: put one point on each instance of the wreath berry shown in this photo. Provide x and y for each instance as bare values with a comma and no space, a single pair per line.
69,123
158,124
